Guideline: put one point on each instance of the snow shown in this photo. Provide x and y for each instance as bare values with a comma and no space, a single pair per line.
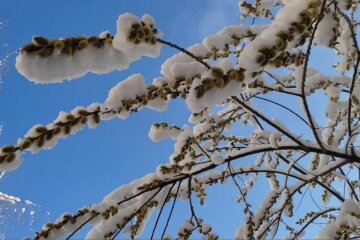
181,141
213,96
347,217
128,89
110,55
206,228
197,49
131,50
262,8
9,198
163,131
157,104
58,66
187,70
274,139
206,143
10,162
217,159
227,34
325,32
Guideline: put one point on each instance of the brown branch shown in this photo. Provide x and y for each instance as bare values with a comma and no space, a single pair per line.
191,204
350,186
136,212
173,45
262,117
329,188
280,105
78,228
161,209
171,211
243,197
356,66
252,152
303,95
319,214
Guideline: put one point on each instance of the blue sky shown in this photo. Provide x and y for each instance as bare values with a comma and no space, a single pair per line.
82,169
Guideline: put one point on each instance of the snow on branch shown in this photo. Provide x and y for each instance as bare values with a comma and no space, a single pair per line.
234,132
54,60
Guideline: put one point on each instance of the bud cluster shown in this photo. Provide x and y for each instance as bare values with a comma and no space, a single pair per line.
185,231
111,211
263,212
142,33
219,80
64,220
45,47
141,218
200,192
176,168
165,125
7,154
269,54
216,53
286,59
44,136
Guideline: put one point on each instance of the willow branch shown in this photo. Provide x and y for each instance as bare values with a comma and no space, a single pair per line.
161,209
280,105
303,95
171,211
173,45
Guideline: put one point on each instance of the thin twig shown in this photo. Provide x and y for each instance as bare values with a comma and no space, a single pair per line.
136,212
280,105
173,45
161,209
303,95
171,211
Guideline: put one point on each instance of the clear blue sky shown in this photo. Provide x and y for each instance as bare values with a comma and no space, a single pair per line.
84,168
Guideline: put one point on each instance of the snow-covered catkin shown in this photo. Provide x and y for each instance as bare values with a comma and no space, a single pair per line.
54,60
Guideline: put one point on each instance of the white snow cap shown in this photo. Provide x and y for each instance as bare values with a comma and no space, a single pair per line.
10,165
159,132
128,89
58,66
114,54
197,49
217,159
214,96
